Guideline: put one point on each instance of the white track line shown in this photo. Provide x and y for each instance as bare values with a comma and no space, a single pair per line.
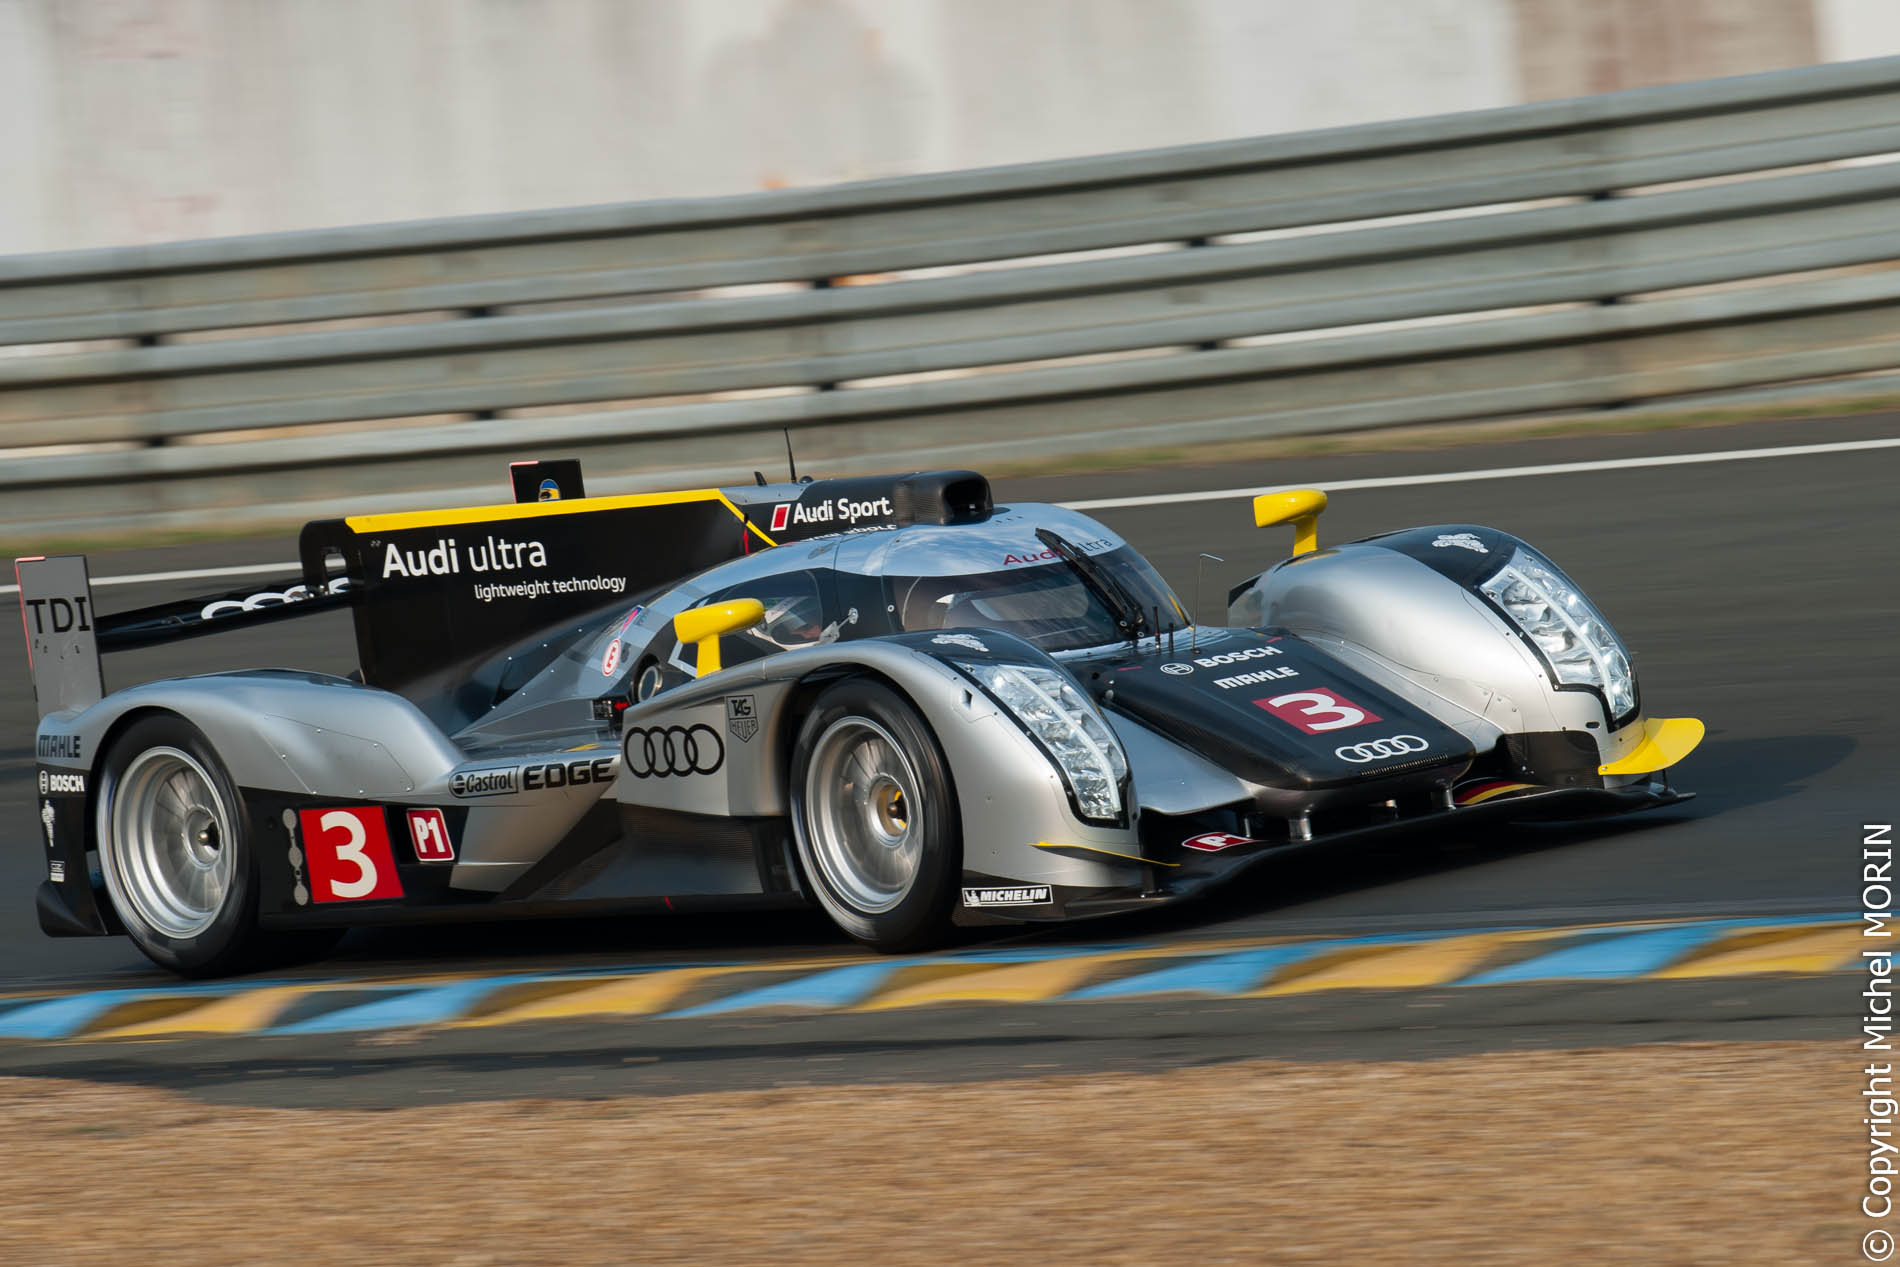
1496,473
1224,494
195,574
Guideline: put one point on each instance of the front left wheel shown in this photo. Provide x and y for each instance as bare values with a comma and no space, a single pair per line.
875,816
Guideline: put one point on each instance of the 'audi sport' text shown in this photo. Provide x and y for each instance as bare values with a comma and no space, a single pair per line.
839,510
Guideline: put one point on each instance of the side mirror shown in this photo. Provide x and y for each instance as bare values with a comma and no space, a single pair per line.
705,625
1300,506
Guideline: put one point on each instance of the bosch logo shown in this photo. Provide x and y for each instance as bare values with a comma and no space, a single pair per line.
666,751
1236,657
1380,749
54,781
1177,670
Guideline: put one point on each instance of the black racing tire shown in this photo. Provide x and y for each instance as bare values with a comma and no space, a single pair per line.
175,844
874,814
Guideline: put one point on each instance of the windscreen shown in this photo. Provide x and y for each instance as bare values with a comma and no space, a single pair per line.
1046,603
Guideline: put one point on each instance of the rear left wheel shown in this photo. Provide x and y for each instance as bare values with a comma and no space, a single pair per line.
174,844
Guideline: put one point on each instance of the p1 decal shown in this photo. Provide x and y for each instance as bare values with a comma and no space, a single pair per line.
429,833
350,859
1317,711
1215,841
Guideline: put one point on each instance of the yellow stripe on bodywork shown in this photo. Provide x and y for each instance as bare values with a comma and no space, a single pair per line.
1500,790
243,1013
1665,741
1439,962
396,521
1804,948
1057,847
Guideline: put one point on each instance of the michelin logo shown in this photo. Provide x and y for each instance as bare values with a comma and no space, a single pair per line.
1022,895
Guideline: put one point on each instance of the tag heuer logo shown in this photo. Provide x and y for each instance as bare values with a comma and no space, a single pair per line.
1022,895
742,717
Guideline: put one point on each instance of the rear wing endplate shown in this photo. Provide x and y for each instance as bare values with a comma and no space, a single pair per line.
62,636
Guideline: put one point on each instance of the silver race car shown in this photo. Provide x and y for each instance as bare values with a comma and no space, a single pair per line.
886,696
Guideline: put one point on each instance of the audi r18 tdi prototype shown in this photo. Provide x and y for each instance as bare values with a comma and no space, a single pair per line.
885,696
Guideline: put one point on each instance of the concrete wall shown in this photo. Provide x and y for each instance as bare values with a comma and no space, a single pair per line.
144,120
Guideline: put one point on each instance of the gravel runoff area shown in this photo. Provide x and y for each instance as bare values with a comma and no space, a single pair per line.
1700,1153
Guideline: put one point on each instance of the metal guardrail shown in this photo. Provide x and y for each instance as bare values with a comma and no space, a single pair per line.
1549,208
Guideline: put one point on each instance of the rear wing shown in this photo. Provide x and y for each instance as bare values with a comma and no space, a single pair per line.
436,592
66,634
433,592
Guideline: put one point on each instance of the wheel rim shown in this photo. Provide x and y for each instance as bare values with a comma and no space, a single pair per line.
170,842
866,820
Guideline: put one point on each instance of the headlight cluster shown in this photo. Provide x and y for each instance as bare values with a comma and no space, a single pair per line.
1066,723
1574,639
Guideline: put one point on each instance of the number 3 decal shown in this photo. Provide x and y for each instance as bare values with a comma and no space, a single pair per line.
349,856
1316,712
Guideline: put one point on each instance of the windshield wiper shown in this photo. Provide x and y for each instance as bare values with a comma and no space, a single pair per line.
1100,582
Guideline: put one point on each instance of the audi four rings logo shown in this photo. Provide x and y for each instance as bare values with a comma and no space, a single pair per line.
665,751
1376,749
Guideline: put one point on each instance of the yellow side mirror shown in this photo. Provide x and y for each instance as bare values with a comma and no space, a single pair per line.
1300,506
705,626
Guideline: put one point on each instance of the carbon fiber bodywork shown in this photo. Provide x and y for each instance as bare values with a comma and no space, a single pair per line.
569,756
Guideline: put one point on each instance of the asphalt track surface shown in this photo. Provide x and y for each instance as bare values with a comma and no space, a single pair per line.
1761,596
